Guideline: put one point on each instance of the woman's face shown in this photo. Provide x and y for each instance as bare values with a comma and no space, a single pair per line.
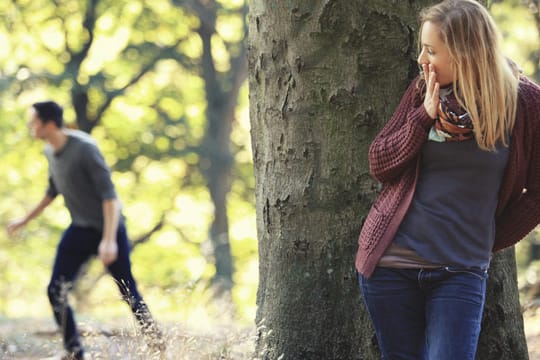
435,52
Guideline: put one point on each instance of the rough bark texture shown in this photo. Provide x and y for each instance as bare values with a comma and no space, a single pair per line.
324,77
502,336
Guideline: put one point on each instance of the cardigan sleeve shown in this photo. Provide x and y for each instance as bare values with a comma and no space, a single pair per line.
399,142
521,216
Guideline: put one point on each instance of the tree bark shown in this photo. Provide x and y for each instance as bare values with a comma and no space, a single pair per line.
503,335
324,78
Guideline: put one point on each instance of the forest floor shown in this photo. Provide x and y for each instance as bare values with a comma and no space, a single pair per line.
37,339
532,331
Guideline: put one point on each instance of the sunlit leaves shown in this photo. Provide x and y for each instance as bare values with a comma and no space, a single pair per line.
230,27
106,49
144,64
173,108
520,34
52,36
232,4
192,47
220,55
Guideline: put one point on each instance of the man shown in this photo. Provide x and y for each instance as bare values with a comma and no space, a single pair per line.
78,171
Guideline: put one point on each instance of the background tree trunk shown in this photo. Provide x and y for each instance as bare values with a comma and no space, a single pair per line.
324,77
222,95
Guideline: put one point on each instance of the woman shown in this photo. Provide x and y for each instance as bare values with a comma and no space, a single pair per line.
460,168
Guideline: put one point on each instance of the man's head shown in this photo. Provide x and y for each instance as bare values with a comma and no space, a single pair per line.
45,115
49,111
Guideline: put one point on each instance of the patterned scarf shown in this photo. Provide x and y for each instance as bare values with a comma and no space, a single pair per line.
451,125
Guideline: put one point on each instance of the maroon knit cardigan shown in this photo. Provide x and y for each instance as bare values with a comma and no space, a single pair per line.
394,159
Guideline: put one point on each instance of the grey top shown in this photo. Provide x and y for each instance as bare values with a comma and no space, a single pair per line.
79,172
451,220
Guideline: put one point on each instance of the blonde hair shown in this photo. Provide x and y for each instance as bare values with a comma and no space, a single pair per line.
485,83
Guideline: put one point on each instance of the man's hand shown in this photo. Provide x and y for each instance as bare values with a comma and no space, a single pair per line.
14,226
108,251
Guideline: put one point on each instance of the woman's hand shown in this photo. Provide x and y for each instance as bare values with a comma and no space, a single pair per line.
431,100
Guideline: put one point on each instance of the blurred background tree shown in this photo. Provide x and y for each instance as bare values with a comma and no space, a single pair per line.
161,86
519,21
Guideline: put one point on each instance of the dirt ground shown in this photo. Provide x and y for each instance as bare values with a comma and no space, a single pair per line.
532,330
32,339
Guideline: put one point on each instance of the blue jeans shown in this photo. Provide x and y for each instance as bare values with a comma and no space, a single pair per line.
76,247
425,314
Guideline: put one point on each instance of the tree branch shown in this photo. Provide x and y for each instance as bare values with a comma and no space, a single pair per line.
207,15
168,52
239,66
145,237
88,23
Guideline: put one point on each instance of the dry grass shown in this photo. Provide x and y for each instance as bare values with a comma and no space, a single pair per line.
532,330
33,339
38,339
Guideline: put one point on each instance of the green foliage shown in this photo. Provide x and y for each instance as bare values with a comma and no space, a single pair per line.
137,66
518,23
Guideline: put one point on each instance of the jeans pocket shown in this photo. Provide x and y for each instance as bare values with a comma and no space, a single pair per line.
479,273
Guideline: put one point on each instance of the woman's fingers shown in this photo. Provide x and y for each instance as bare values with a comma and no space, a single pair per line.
435,95
431,100
432,77
434,84
426,74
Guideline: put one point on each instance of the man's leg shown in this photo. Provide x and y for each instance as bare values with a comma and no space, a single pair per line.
70,255
121,272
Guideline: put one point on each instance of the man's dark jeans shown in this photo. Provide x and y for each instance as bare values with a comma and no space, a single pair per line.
77,245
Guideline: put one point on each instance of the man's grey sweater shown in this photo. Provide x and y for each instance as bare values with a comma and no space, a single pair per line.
79,172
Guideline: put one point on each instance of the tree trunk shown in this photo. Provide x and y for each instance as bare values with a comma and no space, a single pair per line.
502,336
324,77
217,159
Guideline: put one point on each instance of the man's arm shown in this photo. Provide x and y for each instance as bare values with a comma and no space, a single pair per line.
16,225
108,248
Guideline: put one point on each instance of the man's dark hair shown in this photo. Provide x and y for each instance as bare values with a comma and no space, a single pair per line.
50,111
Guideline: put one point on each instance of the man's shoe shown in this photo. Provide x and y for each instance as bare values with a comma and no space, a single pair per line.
75,355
